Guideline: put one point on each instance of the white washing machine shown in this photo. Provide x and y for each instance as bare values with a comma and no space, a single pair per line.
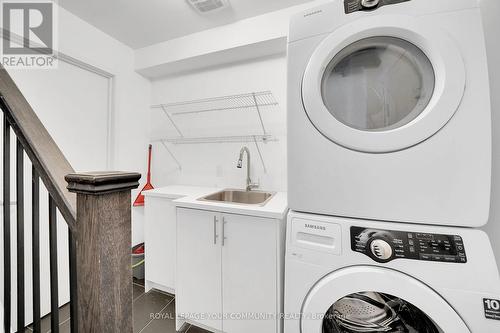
347,276
389,112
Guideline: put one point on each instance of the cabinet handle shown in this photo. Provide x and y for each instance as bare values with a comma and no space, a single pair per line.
223,231
215,230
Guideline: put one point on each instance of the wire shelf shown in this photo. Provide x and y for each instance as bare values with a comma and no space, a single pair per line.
224,103
219,139
255,101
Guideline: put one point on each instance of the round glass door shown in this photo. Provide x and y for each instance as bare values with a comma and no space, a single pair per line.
381,85
378,84
368,299
376,312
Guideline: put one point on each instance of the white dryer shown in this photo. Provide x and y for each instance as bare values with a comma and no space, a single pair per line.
347,276
389,112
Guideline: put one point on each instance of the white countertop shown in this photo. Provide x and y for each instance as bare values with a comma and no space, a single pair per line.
187,197
179,191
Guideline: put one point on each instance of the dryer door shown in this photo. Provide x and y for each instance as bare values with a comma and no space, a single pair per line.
373,299
383,83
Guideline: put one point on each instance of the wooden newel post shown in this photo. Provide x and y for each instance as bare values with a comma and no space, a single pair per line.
103,245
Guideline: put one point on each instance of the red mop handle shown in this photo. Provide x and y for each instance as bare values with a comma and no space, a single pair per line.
149,165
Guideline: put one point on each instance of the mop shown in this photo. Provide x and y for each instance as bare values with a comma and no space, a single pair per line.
139,201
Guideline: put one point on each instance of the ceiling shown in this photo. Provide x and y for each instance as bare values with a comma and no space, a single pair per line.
139,23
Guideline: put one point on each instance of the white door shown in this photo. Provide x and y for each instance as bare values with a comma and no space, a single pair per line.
198,279
72,104
383,83
373,299
249,277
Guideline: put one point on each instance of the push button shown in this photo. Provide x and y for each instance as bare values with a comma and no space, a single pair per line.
450,258
425,257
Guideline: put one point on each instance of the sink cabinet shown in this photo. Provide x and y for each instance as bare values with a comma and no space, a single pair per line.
198,289
229,271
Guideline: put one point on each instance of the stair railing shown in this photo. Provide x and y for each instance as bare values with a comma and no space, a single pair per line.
96,208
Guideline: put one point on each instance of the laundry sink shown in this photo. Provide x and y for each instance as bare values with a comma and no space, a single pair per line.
259,198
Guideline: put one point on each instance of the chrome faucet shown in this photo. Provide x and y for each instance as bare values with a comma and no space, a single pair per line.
249,185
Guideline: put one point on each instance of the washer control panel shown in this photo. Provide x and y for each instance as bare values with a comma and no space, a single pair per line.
387,245
352,6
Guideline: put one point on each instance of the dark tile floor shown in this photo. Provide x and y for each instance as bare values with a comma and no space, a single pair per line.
154,312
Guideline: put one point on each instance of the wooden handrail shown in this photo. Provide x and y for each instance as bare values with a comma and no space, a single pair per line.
42,150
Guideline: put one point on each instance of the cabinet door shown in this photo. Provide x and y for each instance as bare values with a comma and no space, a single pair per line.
159,236
198,279
249,273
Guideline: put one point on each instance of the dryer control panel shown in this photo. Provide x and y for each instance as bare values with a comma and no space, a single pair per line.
352,6
387,245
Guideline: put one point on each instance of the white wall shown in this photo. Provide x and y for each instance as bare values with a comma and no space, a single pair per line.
214,164
73,105
491,10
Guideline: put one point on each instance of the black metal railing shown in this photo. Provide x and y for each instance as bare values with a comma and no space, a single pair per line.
35,246
35,250
6,224
99,245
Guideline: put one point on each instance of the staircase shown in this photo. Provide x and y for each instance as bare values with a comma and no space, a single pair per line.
96,208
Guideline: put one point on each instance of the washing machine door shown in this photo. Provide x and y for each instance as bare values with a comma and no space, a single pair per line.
383,83
372,299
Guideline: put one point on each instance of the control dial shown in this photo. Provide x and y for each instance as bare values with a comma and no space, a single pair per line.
369,3
381,249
